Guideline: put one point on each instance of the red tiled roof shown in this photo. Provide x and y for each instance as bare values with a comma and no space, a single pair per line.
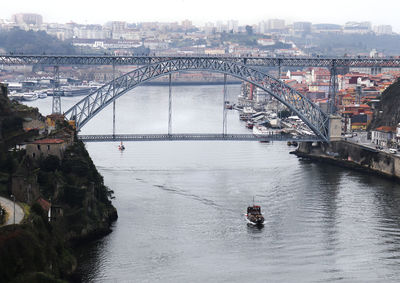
55,116
386,129
49,141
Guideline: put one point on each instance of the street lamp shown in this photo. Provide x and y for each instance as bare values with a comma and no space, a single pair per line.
13,197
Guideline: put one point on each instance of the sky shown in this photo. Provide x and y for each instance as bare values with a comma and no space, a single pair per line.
201,11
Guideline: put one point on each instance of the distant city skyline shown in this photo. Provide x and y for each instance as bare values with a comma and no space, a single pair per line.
199,12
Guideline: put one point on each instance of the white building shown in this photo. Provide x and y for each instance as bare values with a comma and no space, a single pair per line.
382,136
266,41
357,27
383,29
233,26
276,24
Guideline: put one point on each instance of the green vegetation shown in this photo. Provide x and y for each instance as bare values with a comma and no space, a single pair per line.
30,42
340,44
39,250
240,38
33,252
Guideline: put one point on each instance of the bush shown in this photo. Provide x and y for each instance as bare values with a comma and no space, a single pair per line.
73,196
11,124
50,164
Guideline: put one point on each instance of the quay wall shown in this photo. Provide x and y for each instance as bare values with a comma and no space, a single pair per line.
352,155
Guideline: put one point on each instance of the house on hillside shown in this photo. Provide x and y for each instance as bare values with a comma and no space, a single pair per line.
44,148
383,136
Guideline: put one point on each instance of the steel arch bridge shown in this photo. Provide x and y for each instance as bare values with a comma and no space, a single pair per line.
91,105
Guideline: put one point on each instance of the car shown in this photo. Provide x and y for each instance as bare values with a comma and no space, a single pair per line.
393,150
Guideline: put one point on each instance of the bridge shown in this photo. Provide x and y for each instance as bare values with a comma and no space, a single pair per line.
96,60
241,67
196,137
91,105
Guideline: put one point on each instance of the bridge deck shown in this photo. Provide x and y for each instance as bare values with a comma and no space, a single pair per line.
60,60
195,137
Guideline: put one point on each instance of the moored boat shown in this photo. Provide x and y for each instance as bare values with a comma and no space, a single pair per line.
42,95
249,124
29,96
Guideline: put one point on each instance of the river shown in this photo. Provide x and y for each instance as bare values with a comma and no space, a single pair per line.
181,204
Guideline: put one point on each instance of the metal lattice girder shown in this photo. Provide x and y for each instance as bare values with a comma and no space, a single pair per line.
195,137
63,60
92,104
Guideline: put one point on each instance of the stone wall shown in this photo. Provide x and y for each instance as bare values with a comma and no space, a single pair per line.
353,155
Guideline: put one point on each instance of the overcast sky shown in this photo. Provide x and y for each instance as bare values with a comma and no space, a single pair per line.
201,11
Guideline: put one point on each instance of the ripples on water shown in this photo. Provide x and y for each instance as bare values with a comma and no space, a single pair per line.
181,204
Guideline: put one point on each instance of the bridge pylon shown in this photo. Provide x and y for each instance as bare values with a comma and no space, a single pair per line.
56,104
335,128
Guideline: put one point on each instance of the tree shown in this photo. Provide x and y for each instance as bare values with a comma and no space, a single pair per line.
249,30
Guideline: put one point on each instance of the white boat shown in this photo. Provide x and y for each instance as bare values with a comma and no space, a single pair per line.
29,96
260,131
249,110
42,95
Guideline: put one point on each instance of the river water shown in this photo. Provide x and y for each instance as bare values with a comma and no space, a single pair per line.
181,204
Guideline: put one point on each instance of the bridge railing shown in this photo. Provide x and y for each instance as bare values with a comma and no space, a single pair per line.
197,137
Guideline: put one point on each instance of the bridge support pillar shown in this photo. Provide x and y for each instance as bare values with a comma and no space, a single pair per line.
335,128
114,100
332,88
56,105
170,104
224,120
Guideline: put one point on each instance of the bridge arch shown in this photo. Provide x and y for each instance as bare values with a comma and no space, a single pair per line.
307,111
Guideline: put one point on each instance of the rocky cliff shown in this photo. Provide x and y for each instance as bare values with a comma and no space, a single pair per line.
69,187
388,111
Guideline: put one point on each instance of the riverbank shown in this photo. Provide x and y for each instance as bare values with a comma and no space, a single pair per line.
352,155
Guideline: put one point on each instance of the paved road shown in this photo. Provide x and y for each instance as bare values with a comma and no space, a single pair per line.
8,205
361,139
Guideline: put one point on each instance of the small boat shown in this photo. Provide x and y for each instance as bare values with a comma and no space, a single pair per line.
249,125
42,95
254,215
121,147
228,105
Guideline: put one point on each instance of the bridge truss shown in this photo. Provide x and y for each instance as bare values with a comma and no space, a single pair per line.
327,62
91,105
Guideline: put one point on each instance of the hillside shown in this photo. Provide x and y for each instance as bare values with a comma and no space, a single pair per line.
31,42
67,185
388,112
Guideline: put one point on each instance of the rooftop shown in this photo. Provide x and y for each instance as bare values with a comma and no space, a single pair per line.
49,141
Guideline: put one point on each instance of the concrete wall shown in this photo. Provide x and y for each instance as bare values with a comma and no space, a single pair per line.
335,128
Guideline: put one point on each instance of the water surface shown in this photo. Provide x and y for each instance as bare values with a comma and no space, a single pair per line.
181,204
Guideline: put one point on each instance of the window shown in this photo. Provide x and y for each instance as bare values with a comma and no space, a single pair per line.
48,147
38,146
